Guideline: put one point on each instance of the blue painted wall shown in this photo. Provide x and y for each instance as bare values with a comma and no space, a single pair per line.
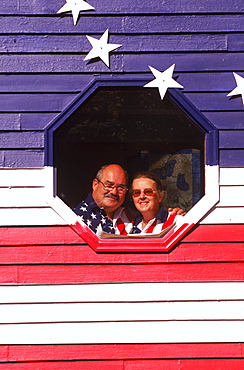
42,68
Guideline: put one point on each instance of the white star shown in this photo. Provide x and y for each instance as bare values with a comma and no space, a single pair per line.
93,216
163,80
239,89
101,48
83,209
75,6
89,223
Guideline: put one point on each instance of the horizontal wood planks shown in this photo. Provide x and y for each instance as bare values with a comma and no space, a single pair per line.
125,24
122,313
26,196
130,364
26,7
61,83
105,312
184,307
58,256
122,351
43,69
124,332
73,63
83,254
76,273
130,43
124,293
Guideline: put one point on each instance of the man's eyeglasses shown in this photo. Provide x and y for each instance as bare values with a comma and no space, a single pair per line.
137,192
109,186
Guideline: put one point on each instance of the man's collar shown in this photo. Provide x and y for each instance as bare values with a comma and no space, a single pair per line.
91,202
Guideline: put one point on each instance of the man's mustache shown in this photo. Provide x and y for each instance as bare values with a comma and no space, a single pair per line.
114,196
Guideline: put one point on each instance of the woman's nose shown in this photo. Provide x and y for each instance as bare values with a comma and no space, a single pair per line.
142,195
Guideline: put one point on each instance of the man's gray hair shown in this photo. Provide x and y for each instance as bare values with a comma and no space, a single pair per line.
100,172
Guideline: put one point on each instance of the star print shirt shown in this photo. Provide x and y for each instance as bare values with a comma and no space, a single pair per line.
96,218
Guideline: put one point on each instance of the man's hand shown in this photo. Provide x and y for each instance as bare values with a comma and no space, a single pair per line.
178,211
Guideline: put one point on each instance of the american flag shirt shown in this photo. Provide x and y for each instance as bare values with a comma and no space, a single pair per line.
156,225
96,218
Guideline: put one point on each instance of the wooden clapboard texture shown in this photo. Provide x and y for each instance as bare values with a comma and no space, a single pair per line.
62,304
42,68
25,193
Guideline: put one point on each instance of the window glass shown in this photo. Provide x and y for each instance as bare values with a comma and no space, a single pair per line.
132,127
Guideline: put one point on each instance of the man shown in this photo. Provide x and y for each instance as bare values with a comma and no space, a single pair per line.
103,208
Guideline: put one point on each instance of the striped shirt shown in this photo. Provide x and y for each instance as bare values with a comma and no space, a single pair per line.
162,220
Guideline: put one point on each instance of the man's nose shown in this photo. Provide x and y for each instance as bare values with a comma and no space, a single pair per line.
114,190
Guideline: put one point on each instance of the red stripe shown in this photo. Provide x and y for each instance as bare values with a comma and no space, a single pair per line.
217,233
150,229
105,273
16,353
121,227
169,221
168,364
65,365
30,246
83,254
53,235
120,224
38,235
131,365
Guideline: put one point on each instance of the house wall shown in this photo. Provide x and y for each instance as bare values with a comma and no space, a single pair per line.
62,304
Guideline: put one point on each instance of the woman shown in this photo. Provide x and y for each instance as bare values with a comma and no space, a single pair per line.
147,194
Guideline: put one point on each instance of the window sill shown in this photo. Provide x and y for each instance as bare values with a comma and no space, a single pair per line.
151,245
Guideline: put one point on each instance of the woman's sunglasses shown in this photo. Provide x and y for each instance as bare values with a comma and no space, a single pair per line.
137,192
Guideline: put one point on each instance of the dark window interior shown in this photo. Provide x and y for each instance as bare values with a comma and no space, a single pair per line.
132,127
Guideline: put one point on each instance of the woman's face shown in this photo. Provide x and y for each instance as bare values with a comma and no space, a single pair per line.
146,197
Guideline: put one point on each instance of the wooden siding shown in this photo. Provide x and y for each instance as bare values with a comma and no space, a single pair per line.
25,195
42,68
230,207
51,280
182,309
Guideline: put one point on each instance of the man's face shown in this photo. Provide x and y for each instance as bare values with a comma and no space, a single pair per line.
110,200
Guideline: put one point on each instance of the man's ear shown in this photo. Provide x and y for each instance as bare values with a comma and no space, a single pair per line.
94,184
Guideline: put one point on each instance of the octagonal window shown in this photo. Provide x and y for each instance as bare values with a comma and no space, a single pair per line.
133,127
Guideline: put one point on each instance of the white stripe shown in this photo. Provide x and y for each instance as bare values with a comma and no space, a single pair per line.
59,213
22,197
99,312
126,292
29,216
229,215
231,196
168,312
124,332
22,177
232,176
